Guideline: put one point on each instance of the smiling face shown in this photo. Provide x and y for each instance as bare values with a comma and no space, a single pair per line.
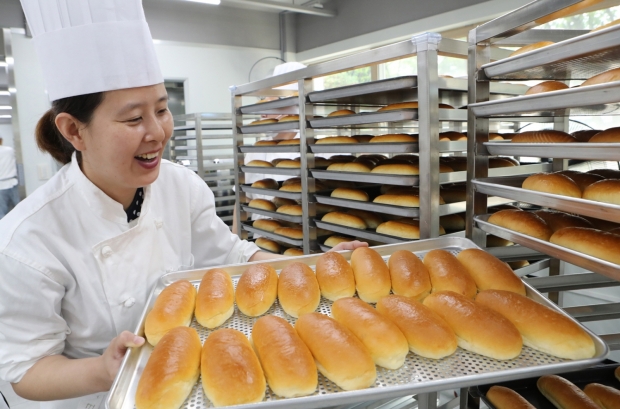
124,141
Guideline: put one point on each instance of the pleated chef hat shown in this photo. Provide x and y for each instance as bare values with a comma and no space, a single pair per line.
88,46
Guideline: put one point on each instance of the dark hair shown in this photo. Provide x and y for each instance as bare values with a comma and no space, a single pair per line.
49,138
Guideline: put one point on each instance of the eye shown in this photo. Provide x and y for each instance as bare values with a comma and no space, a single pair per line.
162,111
134,120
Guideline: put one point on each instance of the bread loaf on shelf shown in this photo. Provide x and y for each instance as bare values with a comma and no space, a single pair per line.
286,361
332,241
607,191
447,273
547,136
602,78
289,118
267,244
427,334
452,136
298,289
171,371
262,204
371,219
293,210
563,393
505,398
390,138
523,222
560,220
489,272
531,47
541,327
289,164
582,179
264,121
280,201
372,275
546,86
294,141
611,135
266,224
173,307
339,355
341,112
266,184
350,194
606,173
335,139
409,275
350,167
400,105
293,252
397,169
265,143
344,219
478,328
215,301
257,289
592,242
584,135
290,232
231,371
259,164
334,275
604,396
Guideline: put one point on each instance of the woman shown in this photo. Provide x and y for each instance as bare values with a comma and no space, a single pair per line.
80,255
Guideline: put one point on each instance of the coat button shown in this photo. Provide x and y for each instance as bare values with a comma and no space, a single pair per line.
129,302
106,251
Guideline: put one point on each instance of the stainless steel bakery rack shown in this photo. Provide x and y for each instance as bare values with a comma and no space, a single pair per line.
312,105
577,56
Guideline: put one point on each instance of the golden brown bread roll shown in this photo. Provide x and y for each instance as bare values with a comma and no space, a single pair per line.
560,220
547,136
293,252
541,327
394,138
531,47
602,78
259,164
257,289
585,135
452,222
264,121
400,105
265,143
606,173
293,210
398,200
400,229
267,244
372,275
582,179
288,164
349,167
500,162
280,201
495,137
215,301
291,232
341,112
452,136
387,345
335,139
231,371
427,334
339,355
478,328
335,275
287,362
447,273
522,222
298,290
262,204
344,219
563,393
171,371
546,86
291,181
291,187
174,307
332,241
611,135
604,396
397,169
595,243
613,23
554,183
266,224
489,272
350,194
266,184
409,275
289,118
505,398
294,141
607,191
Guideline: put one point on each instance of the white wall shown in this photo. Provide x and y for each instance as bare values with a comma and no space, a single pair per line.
6,133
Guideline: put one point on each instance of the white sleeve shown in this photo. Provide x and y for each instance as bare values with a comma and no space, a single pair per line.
213,243
31,325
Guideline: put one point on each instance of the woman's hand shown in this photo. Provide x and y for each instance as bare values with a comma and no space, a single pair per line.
349,245
114,354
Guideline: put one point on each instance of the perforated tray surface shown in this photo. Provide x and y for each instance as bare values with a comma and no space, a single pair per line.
417,375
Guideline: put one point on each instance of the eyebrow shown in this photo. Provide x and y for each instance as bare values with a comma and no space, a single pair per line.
134,105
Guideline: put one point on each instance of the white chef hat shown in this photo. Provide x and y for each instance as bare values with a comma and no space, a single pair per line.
88,46
286,68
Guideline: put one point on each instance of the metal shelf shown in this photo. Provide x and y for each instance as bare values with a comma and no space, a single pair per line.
394,147
270,128
269,149
571,282
274,215
263,107
585,151
400,115
278,237
271,192
398,180
272,171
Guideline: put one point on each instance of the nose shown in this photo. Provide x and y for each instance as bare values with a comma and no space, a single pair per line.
156,128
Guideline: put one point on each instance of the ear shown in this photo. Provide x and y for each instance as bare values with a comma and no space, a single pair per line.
71,129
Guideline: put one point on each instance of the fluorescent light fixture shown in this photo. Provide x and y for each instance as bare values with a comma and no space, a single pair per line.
5,116
2,64
5,93
216,2
5,107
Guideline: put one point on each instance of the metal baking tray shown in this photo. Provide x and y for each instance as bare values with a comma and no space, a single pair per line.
510,188
600,99
367,177
397,115
269,149
272,171
603,374
585,151
268,128
271,192
394,147
263,107
590,263
418,375
274,215
247,226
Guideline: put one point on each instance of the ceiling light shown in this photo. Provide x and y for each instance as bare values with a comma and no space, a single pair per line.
216,2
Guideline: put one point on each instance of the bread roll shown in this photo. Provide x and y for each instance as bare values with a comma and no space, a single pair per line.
215,301
399,229
291,232
171,371
231,371
394,138
338,354
291,181
287,362
372,275
266,184
478,328
293,210
427,334
409,275
531,47
582,179
585,135
265,143
518,264
546,86
522,222
289,118
264,121
603,225
344,219
499,162
341,112
267,244
362,138
554,183
495,137
453,195
489,272
607,191
445,106
259,164
505,398
335,139
289,164
266,224
280,201
602,78
293,252
447,273
383,339
547,136
613,23
372,220
397,169
494,241
541,327
350,194
452,136
400,105
595,243
604,396
298,289
611,135
560,220
174,307
349,167
398,200
291,188
452,222
606,173
294,141
332,241
334,274
563,393
262,204
256,290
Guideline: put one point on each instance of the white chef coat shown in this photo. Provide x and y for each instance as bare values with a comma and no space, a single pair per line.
74,273
8,168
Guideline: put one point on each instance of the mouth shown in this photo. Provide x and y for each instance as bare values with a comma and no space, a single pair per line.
147,157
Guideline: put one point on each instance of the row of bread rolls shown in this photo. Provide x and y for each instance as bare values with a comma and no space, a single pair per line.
286,118
395,106
589,185
611,135
271,142
319,162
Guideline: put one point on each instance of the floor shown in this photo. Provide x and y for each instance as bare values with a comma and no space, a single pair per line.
15,402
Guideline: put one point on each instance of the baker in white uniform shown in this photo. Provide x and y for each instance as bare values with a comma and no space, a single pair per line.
80,255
